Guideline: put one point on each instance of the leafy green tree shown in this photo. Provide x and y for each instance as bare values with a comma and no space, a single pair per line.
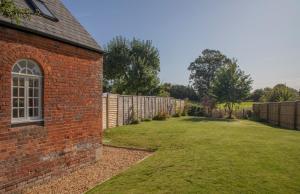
183,92
280,93
231,85
131,67
203,69
164,90
256,95
9,9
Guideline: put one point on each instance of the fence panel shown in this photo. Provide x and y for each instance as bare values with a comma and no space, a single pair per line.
287,110
104,112
274,113
263,112
120,110
284,114
112,104
297,115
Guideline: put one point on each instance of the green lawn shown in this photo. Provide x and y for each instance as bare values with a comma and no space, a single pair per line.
208,156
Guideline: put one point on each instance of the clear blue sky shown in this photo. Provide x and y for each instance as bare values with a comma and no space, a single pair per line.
264,35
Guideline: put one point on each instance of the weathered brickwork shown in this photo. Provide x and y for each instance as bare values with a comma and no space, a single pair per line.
71,133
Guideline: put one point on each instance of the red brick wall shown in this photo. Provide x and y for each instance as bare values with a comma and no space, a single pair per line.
71,134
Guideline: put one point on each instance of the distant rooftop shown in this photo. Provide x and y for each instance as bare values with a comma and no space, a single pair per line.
55,21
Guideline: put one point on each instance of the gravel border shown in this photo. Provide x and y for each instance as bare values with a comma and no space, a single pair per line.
113,161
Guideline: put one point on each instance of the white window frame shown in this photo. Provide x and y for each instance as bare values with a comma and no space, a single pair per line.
27,77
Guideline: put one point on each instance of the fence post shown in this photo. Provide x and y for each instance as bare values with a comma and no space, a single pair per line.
155,106
259,110
295,115
107,111
123,110
279,113
145,107
180,107
137,107
117,123
268,112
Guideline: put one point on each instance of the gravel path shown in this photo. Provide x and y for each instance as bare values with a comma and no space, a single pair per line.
113,161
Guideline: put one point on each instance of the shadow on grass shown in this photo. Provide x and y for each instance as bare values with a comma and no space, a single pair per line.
207,119
273,125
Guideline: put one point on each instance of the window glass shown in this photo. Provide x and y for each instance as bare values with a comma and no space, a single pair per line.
15,81
36,92
36,83
22,64
22,82
43,9
36,102
30,112
26,88
30,92
36,112
21,102
21,92
30,102
21,112
24,71
16,68
15,92
15,102
15,113
30,83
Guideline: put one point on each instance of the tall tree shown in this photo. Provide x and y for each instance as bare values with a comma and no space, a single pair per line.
256,95
163,90
183,92
131,67
203,70
9,9
231,85
116,63
280,93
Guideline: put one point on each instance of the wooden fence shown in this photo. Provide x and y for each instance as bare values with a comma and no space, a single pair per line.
121,110
284,114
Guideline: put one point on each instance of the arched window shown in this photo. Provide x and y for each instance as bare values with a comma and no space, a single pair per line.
26,92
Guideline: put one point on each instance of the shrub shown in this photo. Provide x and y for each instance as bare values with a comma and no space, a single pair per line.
176,115
217,113
146,120
134,119
134,122
195,110
184,112
249,113
161,116
243,114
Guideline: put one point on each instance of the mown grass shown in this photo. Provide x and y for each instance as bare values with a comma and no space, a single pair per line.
197,155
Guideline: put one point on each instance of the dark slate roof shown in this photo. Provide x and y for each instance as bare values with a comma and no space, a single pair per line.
66,29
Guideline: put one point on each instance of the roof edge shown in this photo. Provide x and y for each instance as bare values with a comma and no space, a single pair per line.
24,29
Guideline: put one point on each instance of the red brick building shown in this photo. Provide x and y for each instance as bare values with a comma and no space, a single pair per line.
50,96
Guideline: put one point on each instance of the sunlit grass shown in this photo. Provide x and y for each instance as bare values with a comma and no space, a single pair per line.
196,155
239,106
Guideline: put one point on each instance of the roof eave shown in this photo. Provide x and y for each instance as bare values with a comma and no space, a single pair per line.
21,28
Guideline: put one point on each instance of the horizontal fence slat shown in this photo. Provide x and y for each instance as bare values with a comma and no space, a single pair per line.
283,114
118,110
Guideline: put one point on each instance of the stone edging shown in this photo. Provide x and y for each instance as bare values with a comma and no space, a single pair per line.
130,148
